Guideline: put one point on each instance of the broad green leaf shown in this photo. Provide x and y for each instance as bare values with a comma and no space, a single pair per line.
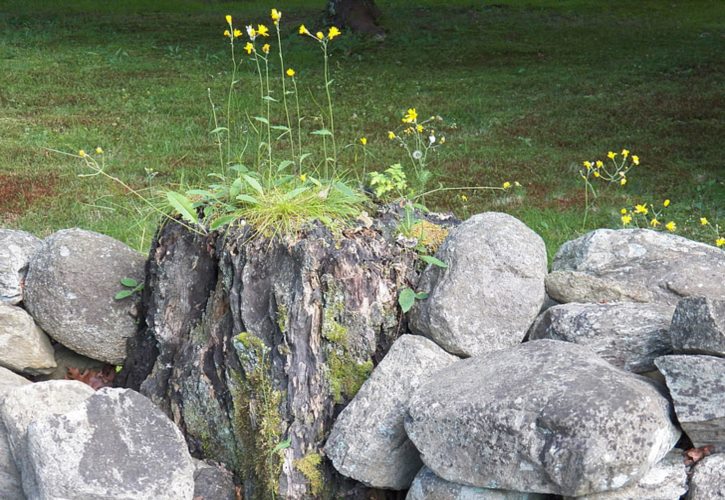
284,164
322,131
406,299
183,205
123,294
254,183
294,193
304,156
129,282
282,446
222,221
248,199
235,188
433,261
262,119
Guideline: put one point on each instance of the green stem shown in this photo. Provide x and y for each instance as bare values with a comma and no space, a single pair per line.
229,105
284,93
329,105
299,124
216,126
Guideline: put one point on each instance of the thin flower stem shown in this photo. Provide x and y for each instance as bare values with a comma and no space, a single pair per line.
329,105
284,92
216,126
269,116
229,106
299,124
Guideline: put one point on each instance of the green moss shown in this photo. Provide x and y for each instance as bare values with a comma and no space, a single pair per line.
346,374
334,308
257,418
309,466
282,314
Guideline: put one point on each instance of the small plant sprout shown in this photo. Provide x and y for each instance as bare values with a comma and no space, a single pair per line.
131,286
407,298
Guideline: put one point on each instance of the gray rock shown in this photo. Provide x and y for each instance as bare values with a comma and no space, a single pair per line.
667,480
16,248
697,386
69,290
491,291
545,417
65,358
23,346
637,265
212,482
698,326
116,444
11,487
428,486
628,335
368,441
708,479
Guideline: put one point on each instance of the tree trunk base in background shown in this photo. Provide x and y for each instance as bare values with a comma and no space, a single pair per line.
254,346
360,16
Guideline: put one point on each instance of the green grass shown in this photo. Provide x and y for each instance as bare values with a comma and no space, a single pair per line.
528,89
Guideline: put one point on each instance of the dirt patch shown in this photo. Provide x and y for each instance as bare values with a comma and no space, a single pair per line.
19,192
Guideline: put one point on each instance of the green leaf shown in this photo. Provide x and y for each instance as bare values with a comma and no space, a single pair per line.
235,188
248,199
282,446
200,192
269,98
123,294
262,119
421,296
304,156
219,129
406,299
284,164
129,282
183,205
322,131
433,261
222,221
280,127
254,183
295,193
421,207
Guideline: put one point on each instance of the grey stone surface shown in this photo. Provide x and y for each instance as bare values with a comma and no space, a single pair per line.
545,416
116,444
626,334
697,386
11,487
69,290
212,482
667,480
16,248
708,479
23,346
698,326
66,358
637,265
428,486
368,441
491,291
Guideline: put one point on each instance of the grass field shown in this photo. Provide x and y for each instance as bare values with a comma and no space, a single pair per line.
528,89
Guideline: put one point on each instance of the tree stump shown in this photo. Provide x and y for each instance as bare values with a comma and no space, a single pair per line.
253,346
361,16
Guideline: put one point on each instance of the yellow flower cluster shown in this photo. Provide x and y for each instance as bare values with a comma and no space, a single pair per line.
616,172
332,33
648,215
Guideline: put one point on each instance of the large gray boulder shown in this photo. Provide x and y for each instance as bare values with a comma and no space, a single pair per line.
698,326
212,482
697,386
545,416
637,265
23,346
116,444
667,480
70,288
628,335
491,291
428,486
11,487
708,479
368,441
16,248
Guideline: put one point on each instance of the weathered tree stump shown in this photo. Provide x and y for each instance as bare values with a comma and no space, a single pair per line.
253,346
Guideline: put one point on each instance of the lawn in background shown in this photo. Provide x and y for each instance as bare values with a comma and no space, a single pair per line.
528,90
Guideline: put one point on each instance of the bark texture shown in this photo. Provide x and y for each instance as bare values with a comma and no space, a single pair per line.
253,346
361,16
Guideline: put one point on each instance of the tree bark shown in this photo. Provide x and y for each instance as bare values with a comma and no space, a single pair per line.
254,346
361,16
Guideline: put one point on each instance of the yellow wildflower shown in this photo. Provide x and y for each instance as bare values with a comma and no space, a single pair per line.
625,152
251,32
99,151
654,223
443,140
704,221
623,181
599,164
364,141
290,72
303,30
229,19
391,135
333,33
666,203
249,47
720,242
635,159
464,198
641,209
320,35
237,33
587,164
611,155
506,185
626,219
623,211
671,226
411,116
265,48
303,177
82,153
419,128
262,30
227,34
596,174
276,16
